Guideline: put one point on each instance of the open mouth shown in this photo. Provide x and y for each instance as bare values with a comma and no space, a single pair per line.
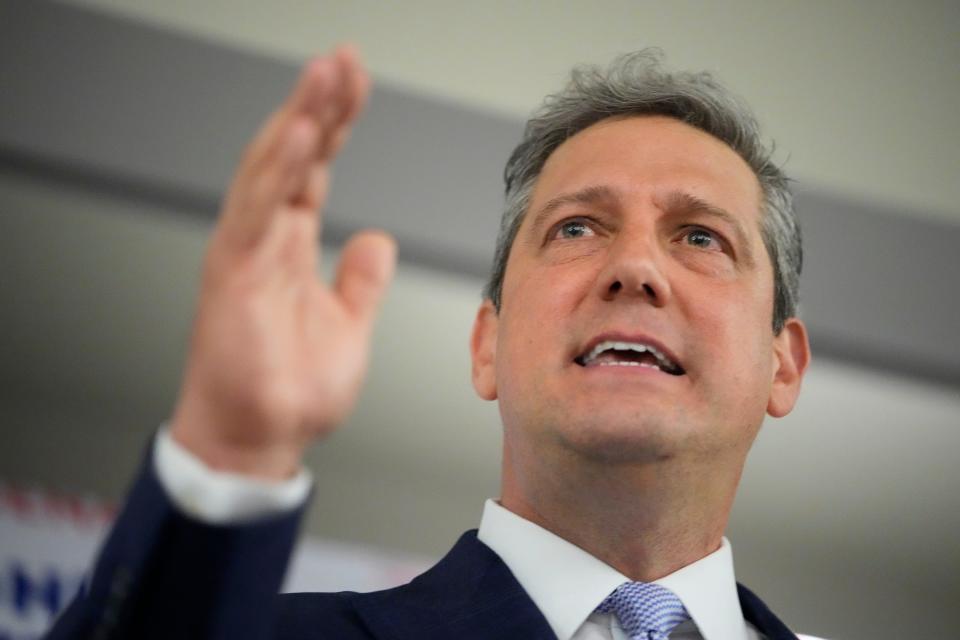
614,353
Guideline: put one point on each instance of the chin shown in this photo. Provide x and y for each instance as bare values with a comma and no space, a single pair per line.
631,442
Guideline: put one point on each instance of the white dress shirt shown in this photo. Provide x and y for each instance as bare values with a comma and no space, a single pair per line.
565,582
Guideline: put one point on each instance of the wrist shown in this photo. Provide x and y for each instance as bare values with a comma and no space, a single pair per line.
231,445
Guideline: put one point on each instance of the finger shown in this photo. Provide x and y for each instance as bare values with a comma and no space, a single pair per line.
357,82
277,163
329,94
348,86
305,99
311,191
319,97
366,267
349,97
254,202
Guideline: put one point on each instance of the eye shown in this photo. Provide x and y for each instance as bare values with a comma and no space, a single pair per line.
570,229
702,238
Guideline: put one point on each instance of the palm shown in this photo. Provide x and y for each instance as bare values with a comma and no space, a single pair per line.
278,355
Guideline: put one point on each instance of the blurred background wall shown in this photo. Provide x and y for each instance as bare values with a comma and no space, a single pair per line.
120,122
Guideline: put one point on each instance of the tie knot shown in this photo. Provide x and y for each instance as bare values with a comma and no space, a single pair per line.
646,611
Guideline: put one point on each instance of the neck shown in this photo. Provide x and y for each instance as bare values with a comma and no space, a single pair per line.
646,520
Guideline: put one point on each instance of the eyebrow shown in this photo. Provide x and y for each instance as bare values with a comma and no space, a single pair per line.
680,202
588,195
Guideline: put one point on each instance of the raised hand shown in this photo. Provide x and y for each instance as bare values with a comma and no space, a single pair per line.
277,356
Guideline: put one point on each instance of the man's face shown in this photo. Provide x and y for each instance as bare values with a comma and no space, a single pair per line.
636,312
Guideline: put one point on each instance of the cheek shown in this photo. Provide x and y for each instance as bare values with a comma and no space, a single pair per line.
735,383
735,332
536,297
534,332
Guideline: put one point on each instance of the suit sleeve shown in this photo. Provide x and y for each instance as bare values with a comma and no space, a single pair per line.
164,574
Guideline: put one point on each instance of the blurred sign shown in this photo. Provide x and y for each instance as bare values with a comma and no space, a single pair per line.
46,543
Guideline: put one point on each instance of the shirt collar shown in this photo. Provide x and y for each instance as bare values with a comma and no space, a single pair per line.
567,583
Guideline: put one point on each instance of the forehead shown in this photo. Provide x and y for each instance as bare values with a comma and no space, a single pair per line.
649,157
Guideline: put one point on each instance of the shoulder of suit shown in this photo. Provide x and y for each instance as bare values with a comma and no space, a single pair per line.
300,615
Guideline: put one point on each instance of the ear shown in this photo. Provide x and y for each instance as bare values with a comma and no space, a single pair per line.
791,356
483,351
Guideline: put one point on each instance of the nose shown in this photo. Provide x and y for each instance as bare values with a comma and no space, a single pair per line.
634,270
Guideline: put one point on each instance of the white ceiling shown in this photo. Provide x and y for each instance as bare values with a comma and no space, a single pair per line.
861,97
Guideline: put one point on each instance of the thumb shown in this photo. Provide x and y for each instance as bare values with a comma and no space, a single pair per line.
366,267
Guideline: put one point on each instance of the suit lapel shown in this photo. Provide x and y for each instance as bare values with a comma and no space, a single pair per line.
469,594
756,613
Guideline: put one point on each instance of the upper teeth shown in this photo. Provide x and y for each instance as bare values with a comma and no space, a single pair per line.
639,347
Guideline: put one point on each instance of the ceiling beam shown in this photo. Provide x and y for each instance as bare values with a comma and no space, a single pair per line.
156,116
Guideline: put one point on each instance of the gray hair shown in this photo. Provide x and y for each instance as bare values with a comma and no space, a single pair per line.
635,85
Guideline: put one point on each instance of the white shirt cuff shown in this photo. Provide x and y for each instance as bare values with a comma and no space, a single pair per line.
218,497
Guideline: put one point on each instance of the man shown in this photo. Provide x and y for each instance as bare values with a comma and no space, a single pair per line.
638,325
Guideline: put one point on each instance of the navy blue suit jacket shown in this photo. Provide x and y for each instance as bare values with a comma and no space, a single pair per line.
163,575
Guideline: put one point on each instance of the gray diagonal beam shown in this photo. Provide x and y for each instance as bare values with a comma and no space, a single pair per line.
153,115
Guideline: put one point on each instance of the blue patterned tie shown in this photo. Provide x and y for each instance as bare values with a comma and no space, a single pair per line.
646,611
